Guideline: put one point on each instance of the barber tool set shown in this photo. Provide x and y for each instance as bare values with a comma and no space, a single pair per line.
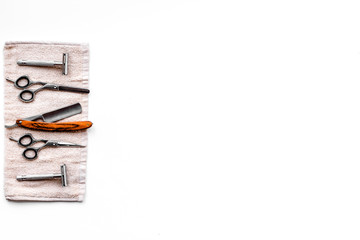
46,117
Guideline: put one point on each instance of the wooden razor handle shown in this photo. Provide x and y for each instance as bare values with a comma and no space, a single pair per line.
54,127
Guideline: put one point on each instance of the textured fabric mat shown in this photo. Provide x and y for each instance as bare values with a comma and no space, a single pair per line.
49,159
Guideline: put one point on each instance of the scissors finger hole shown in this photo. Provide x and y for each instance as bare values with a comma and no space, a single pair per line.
30,153
22,82
25,140
26,95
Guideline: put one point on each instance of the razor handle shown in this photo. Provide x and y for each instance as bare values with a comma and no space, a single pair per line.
54,127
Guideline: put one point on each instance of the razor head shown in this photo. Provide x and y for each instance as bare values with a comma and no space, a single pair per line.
65,63
63,175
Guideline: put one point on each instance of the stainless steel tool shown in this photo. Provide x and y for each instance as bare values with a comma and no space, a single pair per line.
55,115
31,153
63,63
61,175
28,95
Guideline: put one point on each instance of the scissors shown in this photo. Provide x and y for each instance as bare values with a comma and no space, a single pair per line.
28,95
31,153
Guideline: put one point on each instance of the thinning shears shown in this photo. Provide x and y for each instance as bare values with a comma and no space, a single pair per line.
31,153
28,95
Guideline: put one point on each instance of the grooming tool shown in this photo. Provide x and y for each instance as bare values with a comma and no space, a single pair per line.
54,116
63,63
28,95
31,153
61,175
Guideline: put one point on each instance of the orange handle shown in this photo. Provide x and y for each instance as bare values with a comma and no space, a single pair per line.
54,127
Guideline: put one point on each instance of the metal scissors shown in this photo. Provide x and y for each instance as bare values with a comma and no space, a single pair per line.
31,153
28,95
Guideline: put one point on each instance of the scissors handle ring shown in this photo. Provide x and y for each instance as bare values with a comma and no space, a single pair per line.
24,138
27,92
30,153
22,78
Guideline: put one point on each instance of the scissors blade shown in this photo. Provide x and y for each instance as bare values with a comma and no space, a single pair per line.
73,89
68,144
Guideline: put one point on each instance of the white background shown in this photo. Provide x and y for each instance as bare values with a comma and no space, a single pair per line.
212,119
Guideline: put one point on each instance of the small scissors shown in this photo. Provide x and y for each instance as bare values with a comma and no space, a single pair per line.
31,153
28,95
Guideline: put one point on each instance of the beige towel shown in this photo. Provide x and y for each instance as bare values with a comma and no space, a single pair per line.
49,159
